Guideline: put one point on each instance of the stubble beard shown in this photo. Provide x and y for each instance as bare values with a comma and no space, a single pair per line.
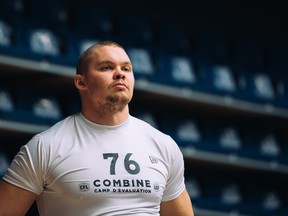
116,103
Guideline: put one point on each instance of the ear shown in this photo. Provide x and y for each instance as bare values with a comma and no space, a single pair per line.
79,82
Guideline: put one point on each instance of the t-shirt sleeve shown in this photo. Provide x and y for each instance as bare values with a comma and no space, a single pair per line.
176,184
26,169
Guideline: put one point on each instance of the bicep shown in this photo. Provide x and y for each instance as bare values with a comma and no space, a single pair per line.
14,200
181,206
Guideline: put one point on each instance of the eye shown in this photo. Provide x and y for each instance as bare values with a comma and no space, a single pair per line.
106,68
127,69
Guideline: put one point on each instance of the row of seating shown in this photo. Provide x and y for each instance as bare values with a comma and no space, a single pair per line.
208,135
212,135
225,194
29,107
162,54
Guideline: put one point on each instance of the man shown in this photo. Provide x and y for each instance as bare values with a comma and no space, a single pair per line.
101,161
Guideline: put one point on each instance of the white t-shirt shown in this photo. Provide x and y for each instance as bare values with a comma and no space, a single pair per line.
79,168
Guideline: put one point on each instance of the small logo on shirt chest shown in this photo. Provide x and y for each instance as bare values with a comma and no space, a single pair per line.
153,160
83,187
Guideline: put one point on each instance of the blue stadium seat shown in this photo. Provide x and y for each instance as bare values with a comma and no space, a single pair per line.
281,92
262,88
221,194
222,138
36,42
261,201
218,79
261,145
187,132
5,34
143,63
44,42
7,42
176,70
6,104
255,87
36,109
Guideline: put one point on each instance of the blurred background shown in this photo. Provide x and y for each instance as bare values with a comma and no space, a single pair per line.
212,74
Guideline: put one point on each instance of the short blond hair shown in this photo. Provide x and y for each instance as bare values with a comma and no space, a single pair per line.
87,56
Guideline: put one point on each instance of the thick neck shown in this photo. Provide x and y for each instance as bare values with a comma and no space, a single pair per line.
107,117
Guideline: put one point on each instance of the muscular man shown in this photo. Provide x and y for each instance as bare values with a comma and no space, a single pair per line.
102,161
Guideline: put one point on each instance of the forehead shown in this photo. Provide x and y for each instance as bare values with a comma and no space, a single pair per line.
110,53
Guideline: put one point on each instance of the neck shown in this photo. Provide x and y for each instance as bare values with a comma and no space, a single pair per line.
110,117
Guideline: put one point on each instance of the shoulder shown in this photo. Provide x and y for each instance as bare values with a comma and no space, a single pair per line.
139,123
66,124
58,131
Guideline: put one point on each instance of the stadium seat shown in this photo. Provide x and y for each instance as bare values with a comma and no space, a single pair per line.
7,42
36,42
142,60
281,92
262,88
5,34
185,131
261,201
176,70
255,87
36,109
44,42
221,194
222,138
6,104
261,145
218,79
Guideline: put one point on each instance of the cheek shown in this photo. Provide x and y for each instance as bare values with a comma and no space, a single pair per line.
97,87
131,80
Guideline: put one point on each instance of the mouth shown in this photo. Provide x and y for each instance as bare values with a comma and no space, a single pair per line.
119,85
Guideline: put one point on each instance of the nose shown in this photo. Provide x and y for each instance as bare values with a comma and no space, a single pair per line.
119,74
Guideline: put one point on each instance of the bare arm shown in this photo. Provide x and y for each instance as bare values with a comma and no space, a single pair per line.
181,206
14,201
